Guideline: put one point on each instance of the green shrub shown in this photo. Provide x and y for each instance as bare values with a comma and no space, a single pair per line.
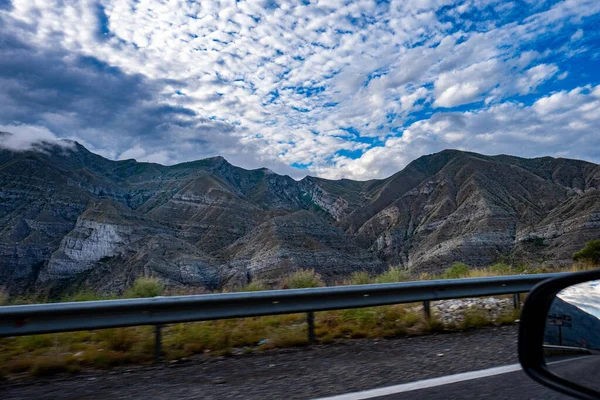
457,270
119,339
145,287
254,286
359,278
475,318
84,295
509,317
394,274
286,336
35,342
303,278
591,252
51,365
501,269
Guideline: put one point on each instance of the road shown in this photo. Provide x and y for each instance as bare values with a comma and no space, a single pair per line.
508,383
312,372
583,370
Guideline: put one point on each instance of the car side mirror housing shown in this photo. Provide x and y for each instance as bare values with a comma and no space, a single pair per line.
559,334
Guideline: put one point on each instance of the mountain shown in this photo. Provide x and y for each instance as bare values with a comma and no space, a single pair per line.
583,329
71,217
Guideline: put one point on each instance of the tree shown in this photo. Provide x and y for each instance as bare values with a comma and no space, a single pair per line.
591,252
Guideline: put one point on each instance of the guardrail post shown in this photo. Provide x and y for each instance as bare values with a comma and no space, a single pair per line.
67,317
157,343
517,300
427,310
310,320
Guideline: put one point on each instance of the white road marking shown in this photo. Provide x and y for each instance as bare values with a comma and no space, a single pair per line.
428,383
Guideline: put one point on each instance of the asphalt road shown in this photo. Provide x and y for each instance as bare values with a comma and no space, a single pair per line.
506,382
509,384
312,372
513,385
583,370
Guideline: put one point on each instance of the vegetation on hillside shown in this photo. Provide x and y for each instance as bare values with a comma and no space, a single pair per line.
304,278
145,287
590,253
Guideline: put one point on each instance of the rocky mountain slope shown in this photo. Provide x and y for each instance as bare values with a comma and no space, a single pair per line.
68,216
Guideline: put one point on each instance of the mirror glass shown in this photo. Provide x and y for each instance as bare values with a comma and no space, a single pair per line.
572,335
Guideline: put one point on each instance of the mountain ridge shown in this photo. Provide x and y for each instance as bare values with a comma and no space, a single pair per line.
68,214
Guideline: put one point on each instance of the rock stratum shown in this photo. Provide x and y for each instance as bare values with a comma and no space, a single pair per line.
70,217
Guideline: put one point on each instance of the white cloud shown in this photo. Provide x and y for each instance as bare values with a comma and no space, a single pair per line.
534,76
583,295
465,86
577,35
561,125
135,153
26,137
270,86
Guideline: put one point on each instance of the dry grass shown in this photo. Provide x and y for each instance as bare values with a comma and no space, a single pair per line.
304,278
43,355
394,274
255,286
358,278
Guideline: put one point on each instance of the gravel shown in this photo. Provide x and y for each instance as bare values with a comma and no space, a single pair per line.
299,373
452,311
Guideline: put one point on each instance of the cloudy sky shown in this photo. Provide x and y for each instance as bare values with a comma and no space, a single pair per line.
585,296
330,88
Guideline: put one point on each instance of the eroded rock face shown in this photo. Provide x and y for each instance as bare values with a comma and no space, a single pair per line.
298,241
478,209
85,245
70,216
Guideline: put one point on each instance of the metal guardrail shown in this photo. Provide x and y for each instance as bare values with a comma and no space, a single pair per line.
568,349
65,317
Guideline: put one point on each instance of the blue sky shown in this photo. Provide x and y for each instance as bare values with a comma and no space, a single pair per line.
329,88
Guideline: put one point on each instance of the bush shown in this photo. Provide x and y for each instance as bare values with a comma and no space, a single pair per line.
394,274
457,270
119,339
47,366
474,318
303,278
591,252
84,295
254,286
500,269
358,278
145,287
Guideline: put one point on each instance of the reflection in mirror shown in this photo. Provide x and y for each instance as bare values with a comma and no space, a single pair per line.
572,335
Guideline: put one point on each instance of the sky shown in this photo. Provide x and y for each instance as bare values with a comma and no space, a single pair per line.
585,296
336,89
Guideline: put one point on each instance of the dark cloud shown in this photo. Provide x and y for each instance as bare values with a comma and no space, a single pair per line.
108,109
89,99
39,82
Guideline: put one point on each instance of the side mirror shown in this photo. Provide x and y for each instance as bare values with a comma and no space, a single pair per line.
559,334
